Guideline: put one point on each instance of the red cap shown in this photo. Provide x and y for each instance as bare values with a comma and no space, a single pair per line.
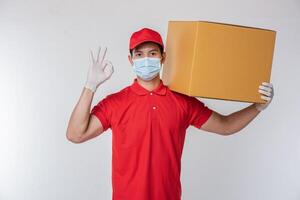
145,35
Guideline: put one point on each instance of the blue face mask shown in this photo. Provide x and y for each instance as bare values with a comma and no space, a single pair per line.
146,68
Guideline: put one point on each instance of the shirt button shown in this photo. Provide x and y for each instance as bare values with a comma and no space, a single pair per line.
151,93
154,107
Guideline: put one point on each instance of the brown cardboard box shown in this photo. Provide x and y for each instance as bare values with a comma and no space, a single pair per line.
217,60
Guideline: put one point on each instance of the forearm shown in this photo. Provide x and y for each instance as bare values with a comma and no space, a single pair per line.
238,120
80,116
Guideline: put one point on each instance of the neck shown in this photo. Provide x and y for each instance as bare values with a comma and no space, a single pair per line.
151,84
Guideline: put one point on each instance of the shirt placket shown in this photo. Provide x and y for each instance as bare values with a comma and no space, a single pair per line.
153,107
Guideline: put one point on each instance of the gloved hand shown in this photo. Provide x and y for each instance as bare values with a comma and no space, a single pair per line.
267,91
98,73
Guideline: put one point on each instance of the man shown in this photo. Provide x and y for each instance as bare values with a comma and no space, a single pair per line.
148,122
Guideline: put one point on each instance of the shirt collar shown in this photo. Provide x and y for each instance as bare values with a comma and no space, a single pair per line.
140,90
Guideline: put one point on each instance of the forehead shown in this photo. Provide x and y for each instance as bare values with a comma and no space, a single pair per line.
146,46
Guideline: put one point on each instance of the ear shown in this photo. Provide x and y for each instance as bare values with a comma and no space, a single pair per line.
130,59
163,57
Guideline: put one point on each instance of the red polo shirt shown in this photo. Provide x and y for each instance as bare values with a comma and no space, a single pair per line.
148,132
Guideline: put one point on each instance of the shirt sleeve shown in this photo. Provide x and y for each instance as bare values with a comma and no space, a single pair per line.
198,112
103,111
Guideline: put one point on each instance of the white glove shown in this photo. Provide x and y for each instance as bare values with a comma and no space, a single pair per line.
267,91
98,73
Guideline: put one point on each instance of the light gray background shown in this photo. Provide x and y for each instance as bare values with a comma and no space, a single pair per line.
44,58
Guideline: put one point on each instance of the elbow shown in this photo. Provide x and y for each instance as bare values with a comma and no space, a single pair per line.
229,132
74,138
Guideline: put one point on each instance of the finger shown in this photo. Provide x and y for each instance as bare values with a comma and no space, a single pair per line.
110,69
104,54
265,98
265,92
267,84
99,49
93,59
268,89
108,63
270,85
110,72
104,67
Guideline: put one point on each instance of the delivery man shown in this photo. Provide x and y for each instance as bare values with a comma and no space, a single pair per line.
148,122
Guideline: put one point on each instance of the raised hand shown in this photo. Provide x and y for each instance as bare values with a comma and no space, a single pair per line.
98,71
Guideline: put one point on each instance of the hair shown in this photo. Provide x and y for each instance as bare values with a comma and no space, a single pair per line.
161,49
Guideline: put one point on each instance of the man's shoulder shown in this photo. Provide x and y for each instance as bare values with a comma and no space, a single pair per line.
119,94
180,95
186,99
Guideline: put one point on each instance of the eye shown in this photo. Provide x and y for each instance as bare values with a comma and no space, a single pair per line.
138,54
153,53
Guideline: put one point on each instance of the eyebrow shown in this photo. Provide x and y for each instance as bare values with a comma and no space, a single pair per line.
142,51
153,50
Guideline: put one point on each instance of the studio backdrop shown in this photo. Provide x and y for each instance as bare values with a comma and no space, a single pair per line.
44,60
